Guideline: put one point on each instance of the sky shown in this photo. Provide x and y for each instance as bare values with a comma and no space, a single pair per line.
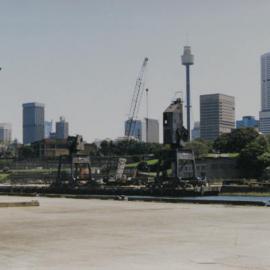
81,58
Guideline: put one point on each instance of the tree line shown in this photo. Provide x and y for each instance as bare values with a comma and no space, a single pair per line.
252,148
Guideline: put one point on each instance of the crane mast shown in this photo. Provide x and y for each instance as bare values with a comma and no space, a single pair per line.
136,99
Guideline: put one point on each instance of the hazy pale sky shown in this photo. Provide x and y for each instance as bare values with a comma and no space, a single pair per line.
81,58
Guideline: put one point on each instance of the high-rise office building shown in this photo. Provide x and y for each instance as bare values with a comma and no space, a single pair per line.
150,130
133,129
196,132
5,133
172,121
217,115
48,129
265,94
33,122
61,130
247,121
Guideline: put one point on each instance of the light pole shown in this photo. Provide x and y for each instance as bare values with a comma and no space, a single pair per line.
146,90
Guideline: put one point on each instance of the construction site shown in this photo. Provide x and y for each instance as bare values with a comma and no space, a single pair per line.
66,167
153,211
171,172
135,135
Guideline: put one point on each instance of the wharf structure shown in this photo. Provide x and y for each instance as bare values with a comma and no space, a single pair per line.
172,121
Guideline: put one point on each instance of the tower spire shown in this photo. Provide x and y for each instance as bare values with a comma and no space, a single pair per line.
187,61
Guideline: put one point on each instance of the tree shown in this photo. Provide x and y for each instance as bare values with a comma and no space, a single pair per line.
240,137
199,148
235,141
131,147
105,148
26,152
255,157
221,144
91,149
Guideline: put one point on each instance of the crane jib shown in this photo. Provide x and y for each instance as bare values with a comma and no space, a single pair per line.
136,100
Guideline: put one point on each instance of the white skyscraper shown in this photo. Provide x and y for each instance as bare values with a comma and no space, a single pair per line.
150,130
5,133
265,94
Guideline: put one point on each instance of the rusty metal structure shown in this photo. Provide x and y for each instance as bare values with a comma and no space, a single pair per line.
79,166
176,157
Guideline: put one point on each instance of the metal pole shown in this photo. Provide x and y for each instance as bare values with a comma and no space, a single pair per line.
147,90
188,100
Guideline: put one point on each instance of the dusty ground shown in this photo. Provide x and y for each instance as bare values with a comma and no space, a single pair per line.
95,234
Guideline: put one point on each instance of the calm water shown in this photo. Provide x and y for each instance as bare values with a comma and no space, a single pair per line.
232,198
265,200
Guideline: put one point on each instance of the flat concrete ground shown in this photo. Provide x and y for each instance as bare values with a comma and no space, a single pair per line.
96,234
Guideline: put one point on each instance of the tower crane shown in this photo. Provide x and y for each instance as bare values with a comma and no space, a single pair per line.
136,99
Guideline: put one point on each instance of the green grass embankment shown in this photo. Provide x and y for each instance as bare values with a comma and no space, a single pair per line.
3,177
135,164
223,155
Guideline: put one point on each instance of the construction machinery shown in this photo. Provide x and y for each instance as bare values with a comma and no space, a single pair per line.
171,174
136,100
75,168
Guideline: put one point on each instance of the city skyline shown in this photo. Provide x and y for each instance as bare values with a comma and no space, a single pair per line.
75,56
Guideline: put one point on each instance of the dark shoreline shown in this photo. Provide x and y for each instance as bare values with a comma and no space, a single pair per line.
132,195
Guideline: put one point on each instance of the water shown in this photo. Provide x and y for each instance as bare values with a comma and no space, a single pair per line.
237,200
98,234
265,199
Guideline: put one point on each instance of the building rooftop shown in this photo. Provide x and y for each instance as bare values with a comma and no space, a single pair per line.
265,54
216,94
174,106
5,125
33,104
